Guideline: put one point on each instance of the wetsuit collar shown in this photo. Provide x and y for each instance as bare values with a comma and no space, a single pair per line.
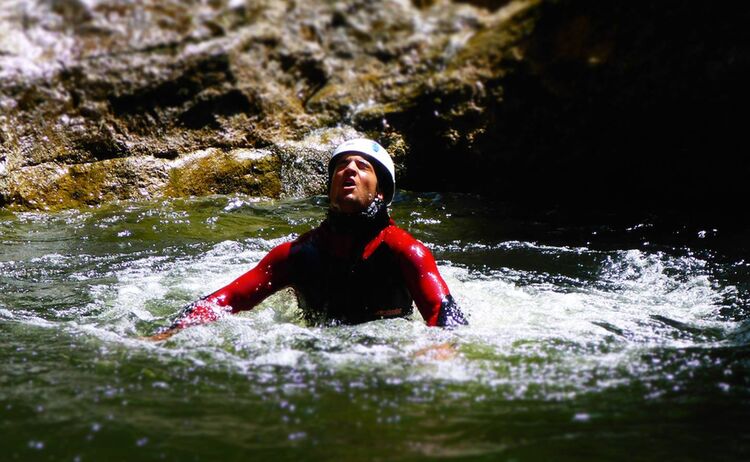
368,222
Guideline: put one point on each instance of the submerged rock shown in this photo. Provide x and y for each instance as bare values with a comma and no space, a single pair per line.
572,101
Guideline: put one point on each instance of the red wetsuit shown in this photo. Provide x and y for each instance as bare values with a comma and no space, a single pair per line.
339,277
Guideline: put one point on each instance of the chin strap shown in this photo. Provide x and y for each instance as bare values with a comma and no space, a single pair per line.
450,314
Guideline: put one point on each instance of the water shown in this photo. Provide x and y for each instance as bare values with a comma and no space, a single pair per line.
586,342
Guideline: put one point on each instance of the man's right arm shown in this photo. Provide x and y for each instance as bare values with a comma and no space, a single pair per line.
270,275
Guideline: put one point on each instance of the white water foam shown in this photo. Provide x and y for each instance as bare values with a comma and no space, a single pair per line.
522,337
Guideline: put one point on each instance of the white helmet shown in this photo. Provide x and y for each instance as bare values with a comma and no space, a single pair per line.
376,153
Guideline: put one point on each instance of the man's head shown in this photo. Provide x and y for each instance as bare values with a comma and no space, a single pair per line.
359,171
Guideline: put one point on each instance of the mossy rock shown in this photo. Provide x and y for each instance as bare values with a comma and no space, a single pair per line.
212,171
51,186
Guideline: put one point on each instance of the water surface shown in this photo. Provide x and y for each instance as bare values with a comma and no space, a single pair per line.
585,342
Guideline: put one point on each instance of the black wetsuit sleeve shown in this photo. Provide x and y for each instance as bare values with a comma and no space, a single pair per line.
450,314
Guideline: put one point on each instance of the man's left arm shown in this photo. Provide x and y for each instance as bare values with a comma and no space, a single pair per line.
427,287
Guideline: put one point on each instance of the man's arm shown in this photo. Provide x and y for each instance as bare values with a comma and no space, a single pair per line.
427,287
244,293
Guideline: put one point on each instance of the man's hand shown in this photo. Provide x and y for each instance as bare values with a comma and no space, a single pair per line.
161,335
439,352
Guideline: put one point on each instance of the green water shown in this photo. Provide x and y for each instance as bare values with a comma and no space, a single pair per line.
585,343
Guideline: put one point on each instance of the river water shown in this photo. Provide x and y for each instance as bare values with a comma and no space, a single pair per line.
586,342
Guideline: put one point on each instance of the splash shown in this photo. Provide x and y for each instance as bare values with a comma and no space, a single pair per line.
546,321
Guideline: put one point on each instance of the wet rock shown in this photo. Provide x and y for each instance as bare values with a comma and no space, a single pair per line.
583,104
55,186
573,101
304,163
95,82
254,172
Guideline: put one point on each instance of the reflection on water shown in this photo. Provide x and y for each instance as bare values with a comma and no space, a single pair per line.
577,348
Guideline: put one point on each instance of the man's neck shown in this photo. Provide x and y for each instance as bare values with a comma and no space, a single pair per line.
361,224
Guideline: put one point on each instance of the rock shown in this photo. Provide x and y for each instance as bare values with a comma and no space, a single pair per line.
584,104
254,172
304,163
565,101
52,186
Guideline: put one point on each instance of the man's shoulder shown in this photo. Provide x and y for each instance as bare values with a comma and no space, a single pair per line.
399,240
393,231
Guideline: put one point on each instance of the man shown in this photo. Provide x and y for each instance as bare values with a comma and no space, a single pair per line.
357,266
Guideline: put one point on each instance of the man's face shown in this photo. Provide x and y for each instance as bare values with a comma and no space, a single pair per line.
354,184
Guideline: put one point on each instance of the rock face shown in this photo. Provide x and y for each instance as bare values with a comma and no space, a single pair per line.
568,101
